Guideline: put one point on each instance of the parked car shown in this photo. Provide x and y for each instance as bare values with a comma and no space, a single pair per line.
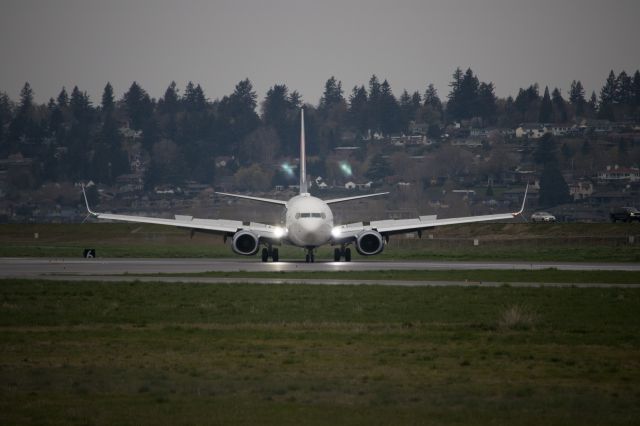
542,217
625,214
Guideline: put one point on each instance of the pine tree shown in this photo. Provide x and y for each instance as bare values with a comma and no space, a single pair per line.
576,97
332,95
108,103
546,108
553,188
358,106
559,106
608,96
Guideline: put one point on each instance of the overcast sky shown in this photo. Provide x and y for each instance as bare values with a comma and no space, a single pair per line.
301,43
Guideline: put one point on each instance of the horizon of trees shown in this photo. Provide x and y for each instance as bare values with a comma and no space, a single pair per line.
180,134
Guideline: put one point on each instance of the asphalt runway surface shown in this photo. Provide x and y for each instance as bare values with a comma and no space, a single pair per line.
112,270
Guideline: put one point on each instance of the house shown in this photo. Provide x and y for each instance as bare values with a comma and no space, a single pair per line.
479,133
619,174
531,131
580,190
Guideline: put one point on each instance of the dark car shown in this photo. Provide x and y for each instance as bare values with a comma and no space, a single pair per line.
625,214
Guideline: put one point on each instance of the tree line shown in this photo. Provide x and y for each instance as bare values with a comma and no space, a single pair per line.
181,133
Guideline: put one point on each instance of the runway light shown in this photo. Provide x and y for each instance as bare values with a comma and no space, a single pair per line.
346,168
336,232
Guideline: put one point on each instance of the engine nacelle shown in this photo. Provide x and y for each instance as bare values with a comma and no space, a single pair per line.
245,243
369,243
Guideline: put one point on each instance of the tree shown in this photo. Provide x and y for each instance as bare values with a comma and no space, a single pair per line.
559,107
138,106
358,106
576,97
390,117
546,150
608,96
332,95
108,103
553,188
487,108
379,168
546,108
194,99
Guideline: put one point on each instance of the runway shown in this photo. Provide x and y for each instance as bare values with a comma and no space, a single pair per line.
42,267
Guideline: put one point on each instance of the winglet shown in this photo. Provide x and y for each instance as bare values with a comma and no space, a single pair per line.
524,199
92,213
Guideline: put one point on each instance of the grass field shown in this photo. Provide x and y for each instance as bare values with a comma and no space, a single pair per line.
478,276
145,353
519,241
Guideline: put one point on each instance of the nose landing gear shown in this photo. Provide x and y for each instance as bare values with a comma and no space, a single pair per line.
309,258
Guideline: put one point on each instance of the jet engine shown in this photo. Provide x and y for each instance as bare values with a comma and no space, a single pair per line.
369,243
245,243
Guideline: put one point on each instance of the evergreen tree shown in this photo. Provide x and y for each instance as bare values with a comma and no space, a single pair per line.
379,168
546,107
487,107
593,103
527,101
332,95
63,99
295,99
194,99
546,150
170,102
138,106
576,97
553,188
635,88
390,115
108,103
608,96
559,106
358,106
623,89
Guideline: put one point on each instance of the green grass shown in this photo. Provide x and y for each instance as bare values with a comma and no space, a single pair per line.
520,241
150,353
479,276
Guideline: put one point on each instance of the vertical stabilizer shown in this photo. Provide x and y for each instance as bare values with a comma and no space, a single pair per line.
303,157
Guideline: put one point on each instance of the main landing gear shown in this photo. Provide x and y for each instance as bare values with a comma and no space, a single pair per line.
270,252
341,252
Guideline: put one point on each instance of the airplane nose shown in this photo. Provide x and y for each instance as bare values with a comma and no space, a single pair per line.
316,232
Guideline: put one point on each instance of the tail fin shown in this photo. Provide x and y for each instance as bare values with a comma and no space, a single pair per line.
303,157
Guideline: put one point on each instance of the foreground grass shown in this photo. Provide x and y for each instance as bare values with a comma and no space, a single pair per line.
479,276
522,241
132,353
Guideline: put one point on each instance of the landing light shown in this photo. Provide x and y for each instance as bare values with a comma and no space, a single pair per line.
279,232
336,232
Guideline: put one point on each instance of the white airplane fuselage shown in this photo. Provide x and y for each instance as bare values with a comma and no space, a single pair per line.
308,221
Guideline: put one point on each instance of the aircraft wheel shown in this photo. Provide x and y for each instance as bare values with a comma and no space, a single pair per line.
347,255
275,256
265,254
336,255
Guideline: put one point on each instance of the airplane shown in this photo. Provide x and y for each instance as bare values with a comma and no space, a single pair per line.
307,223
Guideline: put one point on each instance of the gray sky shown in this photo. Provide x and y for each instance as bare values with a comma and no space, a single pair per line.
55,43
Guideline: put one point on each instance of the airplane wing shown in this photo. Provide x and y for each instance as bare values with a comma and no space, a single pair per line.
216,226
348,232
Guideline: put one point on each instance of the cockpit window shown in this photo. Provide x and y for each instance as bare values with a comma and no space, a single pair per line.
304,215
